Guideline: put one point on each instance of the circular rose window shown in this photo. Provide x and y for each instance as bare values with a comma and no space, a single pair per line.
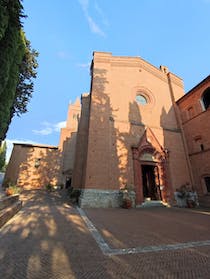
142,100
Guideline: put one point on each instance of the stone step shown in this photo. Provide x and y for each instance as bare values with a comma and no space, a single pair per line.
151,203
8,201
7,213
204,201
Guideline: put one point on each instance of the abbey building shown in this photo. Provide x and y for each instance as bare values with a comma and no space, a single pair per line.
136,127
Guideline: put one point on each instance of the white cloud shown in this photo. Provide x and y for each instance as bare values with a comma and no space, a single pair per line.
50,128
59,125
84,65
101,14
63,54
94,27
10,142
43,132
84,4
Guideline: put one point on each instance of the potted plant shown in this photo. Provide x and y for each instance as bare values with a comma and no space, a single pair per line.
74,195
12,189
127,203
125,194
186,196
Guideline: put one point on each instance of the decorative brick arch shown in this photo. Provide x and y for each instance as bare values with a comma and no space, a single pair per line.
150,152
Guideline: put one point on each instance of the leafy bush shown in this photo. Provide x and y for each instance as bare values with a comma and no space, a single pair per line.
61,186
74,195
49,187
12,189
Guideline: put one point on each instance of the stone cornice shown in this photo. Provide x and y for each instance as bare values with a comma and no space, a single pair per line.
135,62
132,62
141,64
199,152
36,145
135,123
195,116
200,84
195,88
176,80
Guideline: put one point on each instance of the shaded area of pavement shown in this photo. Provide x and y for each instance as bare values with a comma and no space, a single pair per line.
48,239
2,192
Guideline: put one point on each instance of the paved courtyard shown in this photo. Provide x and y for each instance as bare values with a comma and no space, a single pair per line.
49,238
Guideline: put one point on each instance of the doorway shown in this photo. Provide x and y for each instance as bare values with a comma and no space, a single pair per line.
149,177
207,182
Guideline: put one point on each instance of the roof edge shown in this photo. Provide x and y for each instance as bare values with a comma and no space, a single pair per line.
36,145
194,88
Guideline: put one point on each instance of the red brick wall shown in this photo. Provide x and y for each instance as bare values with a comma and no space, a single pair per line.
68,138
197,133
117,122
81,145
22,168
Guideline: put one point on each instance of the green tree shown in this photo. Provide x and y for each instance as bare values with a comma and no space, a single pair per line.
3,149
17,64
27,72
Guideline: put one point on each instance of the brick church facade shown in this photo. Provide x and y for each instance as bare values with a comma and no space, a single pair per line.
136,127
133,134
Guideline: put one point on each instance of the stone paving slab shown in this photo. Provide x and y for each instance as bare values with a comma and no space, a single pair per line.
49,239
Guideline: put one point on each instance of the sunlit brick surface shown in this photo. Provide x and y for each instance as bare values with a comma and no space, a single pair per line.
48,239
151,226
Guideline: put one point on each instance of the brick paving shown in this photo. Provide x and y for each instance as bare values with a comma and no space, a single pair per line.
102,236
151,226
49,239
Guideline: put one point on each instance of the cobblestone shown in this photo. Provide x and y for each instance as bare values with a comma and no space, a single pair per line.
49,239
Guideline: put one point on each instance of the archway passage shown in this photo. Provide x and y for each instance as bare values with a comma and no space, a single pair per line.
149,180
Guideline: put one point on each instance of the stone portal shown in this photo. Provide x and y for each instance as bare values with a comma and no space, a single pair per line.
151,171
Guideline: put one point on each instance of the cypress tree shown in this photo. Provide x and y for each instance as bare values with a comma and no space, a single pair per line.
15,51
3,149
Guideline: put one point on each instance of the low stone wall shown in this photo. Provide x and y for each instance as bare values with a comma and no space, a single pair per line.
7,201
101,198
7,213
9,206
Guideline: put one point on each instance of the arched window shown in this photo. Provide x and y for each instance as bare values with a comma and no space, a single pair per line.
206,98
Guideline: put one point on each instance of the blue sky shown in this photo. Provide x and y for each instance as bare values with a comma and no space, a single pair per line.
65,33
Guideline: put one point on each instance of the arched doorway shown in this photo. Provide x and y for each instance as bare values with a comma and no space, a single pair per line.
150,182
151,173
